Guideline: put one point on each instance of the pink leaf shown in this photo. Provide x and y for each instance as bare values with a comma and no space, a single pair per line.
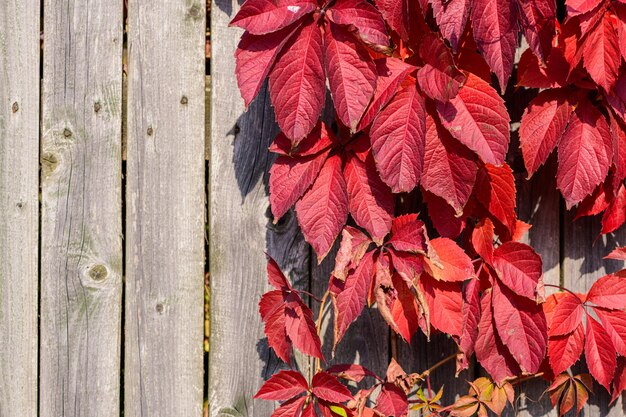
519,267
451,17
264,16
351,74
398,140
478,118
371,200
364,17
297,83
585,154
323,210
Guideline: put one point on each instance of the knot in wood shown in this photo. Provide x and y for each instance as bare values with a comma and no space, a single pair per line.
67,133
98,272
15,107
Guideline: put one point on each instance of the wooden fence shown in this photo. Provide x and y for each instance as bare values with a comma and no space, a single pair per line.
103,229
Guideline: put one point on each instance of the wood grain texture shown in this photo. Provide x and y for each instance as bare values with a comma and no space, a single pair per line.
81,272
165,200
584,249
241,229
19,205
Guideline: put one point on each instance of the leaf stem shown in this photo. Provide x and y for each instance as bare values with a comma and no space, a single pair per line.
320,314
561,288
445,360
526,378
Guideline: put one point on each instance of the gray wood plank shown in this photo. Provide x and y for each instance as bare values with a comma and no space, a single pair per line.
165,202
19,205
81,259
241,229
582,266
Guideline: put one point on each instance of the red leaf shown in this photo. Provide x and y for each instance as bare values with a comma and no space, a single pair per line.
576,7
599,353
564,351
254,57
272,311
439,78
449,167
601,54
290,178
349,303
451,17
495,190
490,351
482,240
445,302
408,265
495,31
620,11
275,276
478,118
364,17
470,312
297,83
264,16
404,310
443,216
585,154
522,326
351,372
595,203
614,323
390,72
398,137
354,244
617,254
351,74
519,267
371,200
323,210
615,214
619,382
396,14
448,262
326,387
300,326
537,20
567,315
283,386
320,139
542,126
408,234
608,292
392,401
291,408
618,134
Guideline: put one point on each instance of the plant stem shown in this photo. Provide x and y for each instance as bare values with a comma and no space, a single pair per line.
561,288
427,372
526,378
320,314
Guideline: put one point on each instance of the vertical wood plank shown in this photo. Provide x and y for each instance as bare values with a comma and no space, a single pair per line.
165,200
584,249
81,260
19,205
241,229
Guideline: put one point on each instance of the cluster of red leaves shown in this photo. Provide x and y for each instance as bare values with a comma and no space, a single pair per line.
416,111
582,109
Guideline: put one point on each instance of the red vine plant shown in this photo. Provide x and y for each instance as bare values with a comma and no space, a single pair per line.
417,109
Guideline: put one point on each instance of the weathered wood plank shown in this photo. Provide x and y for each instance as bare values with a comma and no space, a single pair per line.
81,259
19,205
241,229
582,266
165,200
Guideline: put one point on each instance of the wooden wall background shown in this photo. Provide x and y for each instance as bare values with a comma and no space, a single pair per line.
104,222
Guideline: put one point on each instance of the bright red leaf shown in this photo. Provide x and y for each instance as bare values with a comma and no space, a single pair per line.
519,267
326,387
264,16
448,262
478,118
283,386
564,351
599,353
608,292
